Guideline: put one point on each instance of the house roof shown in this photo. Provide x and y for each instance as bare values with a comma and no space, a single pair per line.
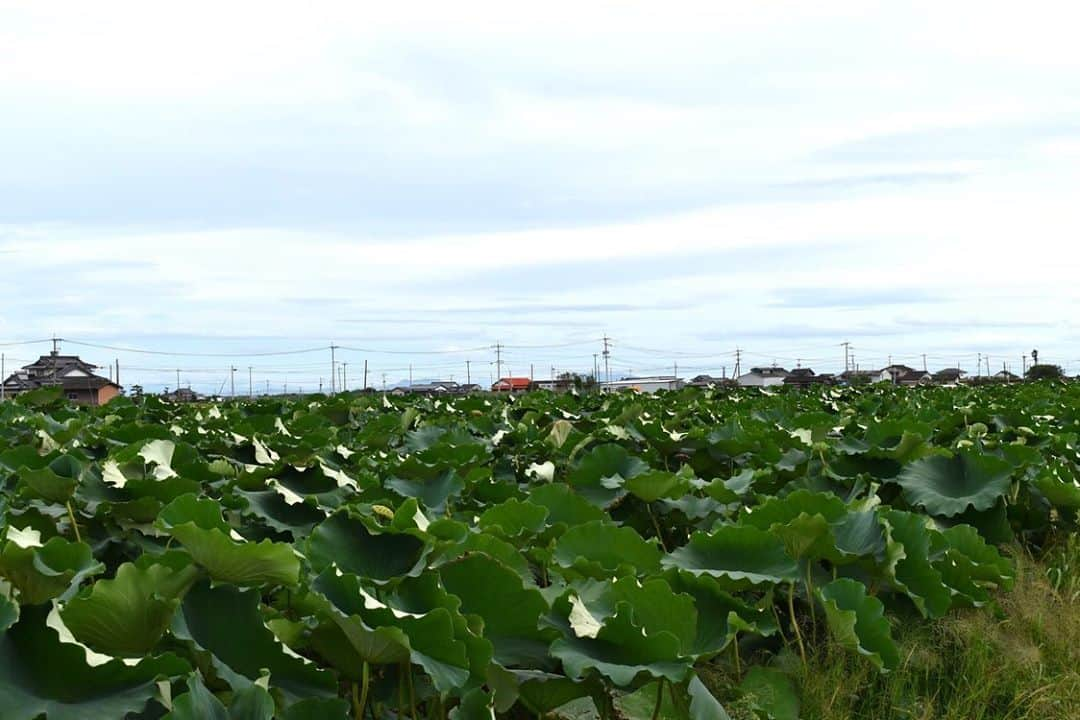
514,383
773,371
54,371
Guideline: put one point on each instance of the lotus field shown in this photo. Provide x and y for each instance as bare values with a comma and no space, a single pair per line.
611,556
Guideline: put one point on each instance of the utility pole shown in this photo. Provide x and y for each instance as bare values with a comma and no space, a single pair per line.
738,364
978,365
117,371
607,360
232,380
924,363
320,385
410,375
268,388
530,372
384,382
333,367
676,369
468,372
251,386
1023,365
365,375
847,348
344,377
498,360
177,377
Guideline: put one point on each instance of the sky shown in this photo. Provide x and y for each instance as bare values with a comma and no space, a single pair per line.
212,182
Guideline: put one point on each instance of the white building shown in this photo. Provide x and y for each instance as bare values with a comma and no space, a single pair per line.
648,384
763,377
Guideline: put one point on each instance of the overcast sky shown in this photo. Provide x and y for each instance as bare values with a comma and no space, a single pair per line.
687,178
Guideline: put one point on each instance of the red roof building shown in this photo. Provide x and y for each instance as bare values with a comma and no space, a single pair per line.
512,384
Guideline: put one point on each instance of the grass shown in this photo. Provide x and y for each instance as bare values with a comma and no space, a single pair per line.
1017,660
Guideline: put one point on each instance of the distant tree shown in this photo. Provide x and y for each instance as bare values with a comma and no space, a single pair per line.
1045,372
136,391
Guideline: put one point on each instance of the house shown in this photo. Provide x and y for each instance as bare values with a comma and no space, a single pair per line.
74,377
859,377
904,375
805,377
181,395
649,384
949,375
763,377
438,387
703,381
1006,376
512,384
468,388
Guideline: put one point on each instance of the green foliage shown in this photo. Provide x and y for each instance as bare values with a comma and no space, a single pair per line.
679,555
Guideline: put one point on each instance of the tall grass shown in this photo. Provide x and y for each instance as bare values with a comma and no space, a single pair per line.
1019,660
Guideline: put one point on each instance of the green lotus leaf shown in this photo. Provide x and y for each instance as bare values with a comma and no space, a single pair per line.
225,622
641,703
601,549
908,551
971,568
347,542
501,550
781,511
949,485
657,608
652,485
857,622
199,526
857,534
297,519
476,704
510,611
432,485
771,692
56,482
378,634
318,709
126,616
9,613
703,704
198,703
564,505
604,462
513,518
541,692
721,615
1057,483
43,677
621,652
52,570
740,554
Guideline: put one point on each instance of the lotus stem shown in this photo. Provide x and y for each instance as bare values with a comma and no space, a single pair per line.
656,527
810,597
735,653
359,703
74,525
659,698
412,694
795,622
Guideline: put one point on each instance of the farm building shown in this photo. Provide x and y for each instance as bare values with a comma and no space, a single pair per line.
438,387
74,377
804,377
763,377
647,384
512,384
